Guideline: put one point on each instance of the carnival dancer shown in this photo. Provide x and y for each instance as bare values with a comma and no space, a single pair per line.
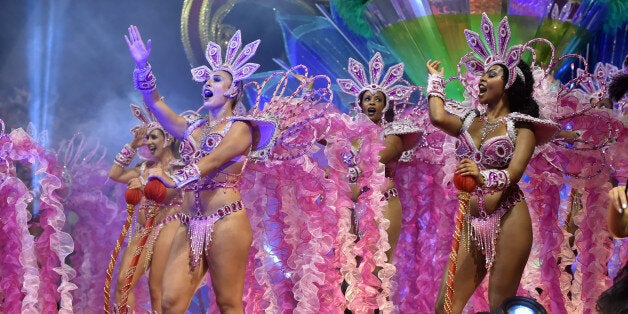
494,147
159,151
216,234
376,100
214,214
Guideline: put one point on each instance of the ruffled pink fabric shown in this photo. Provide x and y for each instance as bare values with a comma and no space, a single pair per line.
429,203
294,234
543,198
582,166
20,274
96,211
46,276
365,291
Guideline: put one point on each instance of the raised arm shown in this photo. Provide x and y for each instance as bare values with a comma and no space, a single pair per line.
119,171
448,123
145,82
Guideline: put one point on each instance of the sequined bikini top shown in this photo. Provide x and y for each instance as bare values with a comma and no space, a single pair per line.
494,153
191,152
175,200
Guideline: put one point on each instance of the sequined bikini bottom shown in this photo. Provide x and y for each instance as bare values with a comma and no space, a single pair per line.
484,230
201,228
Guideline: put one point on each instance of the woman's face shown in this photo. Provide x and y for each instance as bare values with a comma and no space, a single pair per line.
155,142
492,85
373,105
215,89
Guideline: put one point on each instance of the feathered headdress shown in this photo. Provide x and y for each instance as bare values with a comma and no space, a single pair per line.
234,63
496,51
388,84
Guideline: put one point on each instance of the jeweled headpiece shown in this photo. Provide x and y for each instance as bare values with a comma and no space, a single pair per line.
387,86
148,119
496,50
234,63
596,84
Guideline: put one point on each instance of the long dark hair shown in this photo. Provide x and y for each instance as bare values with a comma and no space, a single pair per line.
618,87
520,92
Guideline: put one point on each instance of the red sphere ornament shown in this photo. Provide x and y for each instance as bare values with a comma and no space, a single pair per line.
465,183
133,196
155,190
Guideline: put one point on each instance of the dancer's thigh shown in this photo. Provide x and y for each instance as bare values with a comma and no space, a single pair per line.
229,254
179,280
511,254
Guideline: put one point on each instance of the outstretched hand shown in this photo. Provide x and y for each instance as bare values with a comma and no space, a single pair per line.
433,67
139,51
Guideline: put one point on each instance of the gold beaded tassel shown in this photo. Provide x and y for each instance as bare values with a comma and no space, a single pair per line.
146,231
130,208
463,208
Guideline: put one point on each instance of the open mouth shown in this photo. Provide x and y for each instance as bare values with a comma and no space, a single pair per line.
371,111
208,93
152,149
482,89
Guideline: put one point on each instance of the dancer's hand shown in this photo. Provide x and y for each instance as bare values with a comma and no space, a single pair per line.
433,67
618,197
304,79
467,167
569,136
135,183
139,51
140,137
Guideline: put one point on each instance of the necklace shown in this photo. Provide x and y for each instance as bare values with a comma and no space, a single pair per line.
209,126
489,127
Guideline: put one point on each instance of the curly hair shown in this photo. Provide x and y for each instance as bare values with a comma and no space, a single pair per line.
520,92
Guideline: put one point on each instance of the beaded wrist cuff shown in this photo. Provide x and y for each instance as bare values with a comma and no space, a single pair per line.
435,86
354,171
495,180
144,79
186,175
125,156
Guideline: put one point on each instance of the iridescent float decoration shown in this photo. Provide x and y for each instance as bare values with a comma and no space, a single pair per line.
416,31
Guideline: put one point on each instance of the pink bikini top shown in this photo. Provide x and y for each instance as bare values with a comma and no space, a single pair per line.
494,153
191,152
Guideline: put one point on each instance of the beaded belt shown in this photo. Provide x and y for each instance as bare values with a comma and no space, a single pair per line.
220,213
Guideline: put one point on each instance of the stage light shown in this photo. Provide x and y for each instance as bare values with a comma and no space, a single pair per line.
520,305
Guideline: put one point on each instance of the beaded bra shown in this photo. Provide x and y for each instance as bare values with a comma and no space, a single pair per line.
495,152
191,152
